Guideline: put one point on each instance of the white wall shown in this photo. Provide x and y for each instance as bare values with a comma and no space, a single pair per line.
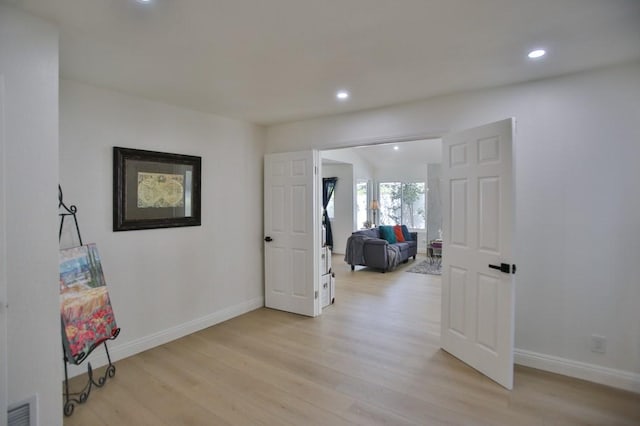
434,201
362,169
400,172
577,206
165,283
29,63
344,204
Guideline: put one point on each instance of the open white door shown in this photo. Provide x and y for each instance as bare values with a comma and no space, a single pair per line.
291,250
477,300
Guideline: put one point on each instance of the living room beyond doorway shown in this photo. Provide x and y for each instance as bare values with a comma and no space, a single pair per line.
386,184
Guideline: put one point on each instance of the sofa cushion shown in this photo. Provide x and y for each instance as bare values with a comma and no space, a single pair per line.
403,246
398,231
406,233
386,232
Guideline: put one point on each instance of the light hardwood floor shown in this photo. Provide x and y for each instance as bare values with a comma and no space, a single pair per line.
371,358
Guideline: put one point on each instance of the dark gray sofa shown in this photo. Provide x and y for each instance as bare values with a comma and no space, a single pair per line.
366,248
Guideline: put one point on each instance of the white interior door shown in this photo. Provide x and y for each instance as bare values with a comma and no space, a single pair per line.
292,247
477,300
3,268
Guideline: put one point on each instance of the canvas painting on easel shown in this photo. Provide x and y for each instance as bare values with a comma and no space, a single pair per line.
87,316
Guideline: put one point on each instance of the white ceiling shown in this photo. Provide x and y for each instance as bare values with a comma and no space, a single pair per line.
271,61
413,153
409,154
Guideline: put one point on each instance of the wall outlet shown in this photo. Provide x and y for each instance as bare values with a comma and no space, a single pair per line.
598,344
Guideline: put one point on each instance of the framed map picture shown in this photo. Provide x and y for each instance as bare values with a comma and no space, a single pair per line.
155,189
85,307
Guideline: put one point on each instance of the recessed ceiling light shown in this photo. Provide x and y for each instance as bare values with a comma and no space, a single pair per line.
144,1
535,54
342,95
395,148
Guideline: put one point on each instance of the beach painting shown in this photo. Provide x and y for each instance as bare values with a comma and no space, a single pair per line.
87,316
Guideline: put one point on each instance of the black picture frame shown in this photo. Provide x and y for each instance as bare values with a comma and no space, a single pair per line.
155,189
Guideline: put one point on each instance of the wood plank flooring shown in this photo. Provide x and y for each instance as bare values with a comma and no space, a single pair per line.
372,358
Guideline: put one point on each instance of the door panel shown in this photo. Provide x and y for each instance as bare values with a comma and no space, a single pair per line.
488,288
290,192
459,215
478,301
300,210
457,300
489,214
278,214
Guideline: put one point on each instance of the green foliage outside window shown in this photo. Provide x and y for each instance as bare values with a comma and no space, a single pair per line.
403,203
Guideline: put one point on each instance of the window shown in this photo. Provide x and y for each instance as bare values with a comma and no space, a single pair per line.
331,207
403,203
362,189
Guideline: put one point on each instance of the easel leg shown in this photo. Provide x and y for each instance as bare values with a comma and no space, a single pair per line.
83,396
110,371
68,404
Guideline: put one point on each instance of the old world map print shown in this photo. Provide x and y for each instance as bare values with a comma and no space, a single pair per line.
159,190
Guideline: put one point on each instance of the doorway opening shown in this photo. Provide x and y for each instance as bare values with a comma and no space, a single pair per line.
477,287
387,184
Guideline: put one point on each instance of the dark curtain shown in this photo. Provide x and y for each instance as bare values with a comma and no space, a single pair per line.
328,185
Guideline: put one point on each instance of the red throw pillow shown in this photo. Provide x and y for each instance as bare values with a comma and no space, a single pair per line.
398,231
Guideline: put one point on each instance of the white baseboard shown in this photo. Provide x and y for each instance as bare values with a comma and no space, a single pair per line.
117,352
580,370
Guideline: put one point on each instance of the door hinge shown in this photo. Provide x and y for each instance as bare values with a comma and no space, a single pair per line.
315,170
315,295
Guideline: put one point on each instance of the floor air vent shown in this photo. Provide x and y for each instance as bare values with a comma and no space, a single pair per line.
23,413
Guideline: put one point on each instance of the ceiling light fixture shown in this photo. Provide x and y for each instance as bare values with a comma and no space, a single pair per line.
342,95
535,54
144,1
395,148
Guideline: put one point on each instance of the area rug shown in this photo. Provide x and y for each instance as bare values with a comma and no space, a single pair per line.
427,267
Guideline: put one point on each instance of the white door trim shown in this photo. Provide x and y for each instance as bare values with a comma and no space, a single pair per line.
3,263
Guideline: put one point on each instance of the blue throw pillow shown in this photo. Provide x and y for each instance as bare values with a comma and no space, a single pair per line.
406,233
386,232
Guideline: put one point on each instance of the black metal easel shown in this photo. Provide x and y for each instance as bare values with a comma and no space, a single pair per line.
82,396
